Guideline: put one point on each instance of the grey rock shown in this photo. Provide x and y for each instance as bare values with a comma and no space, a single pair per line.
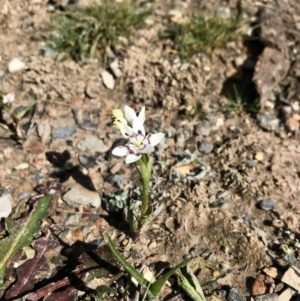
2,74
251,163
79,195
205,147
267,297
235,295
268,122
88,125
266,204
72,220
117,179
93,143
64,132
27,22
87,161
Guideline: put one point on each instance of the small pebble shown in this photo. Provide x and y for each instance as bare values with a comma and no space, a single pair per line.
72,220
64,132
108,80
5,205
292,125
152,245
203,129
16,65
116,180
268,122
235,295
88,125
205,147
114,66
251,163
266,204
184,66
258,287
21,166
259,156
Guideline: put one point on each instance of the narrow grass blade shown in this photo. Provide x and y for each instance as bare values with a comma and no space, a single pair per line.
129,268
157,285
190,284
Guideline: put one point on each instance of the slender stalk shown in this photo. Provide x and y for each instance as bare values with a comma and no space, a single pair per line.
144,168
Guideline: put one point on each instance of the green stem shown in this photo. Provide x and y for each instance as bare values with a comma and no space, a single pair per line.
144,168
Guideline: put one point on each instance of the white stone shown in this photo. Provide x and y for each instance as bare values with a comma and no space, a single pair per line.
114,66
108,80
79,195
292,279
16,65
5,205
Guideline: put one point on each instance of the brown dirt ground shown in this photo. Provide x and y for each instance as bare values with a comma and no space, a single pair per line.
234,235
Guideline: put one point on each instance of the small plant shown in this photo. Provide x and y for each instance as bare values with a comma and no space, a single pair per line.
137,150
151,289
87,33
238,105
10,117
203,34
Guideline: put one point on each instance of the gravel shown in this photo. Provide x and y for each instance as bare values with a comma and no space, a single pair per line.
205,147
266,204
235,295
64,132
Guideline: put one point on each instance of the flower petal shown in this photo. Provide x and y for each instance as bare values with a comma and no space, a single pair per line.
129,114
120,151
142,115
156,138
126,130
138,127
147,149
132,158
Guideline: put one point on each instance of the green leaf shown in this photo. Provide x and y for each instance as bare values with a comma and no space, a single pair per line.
157,285
190,284
21,232
128,267
24,111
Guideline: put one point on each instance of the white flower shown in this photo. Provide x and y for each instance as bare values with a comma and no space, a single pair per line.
130,115
138,143
8,98
118,118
